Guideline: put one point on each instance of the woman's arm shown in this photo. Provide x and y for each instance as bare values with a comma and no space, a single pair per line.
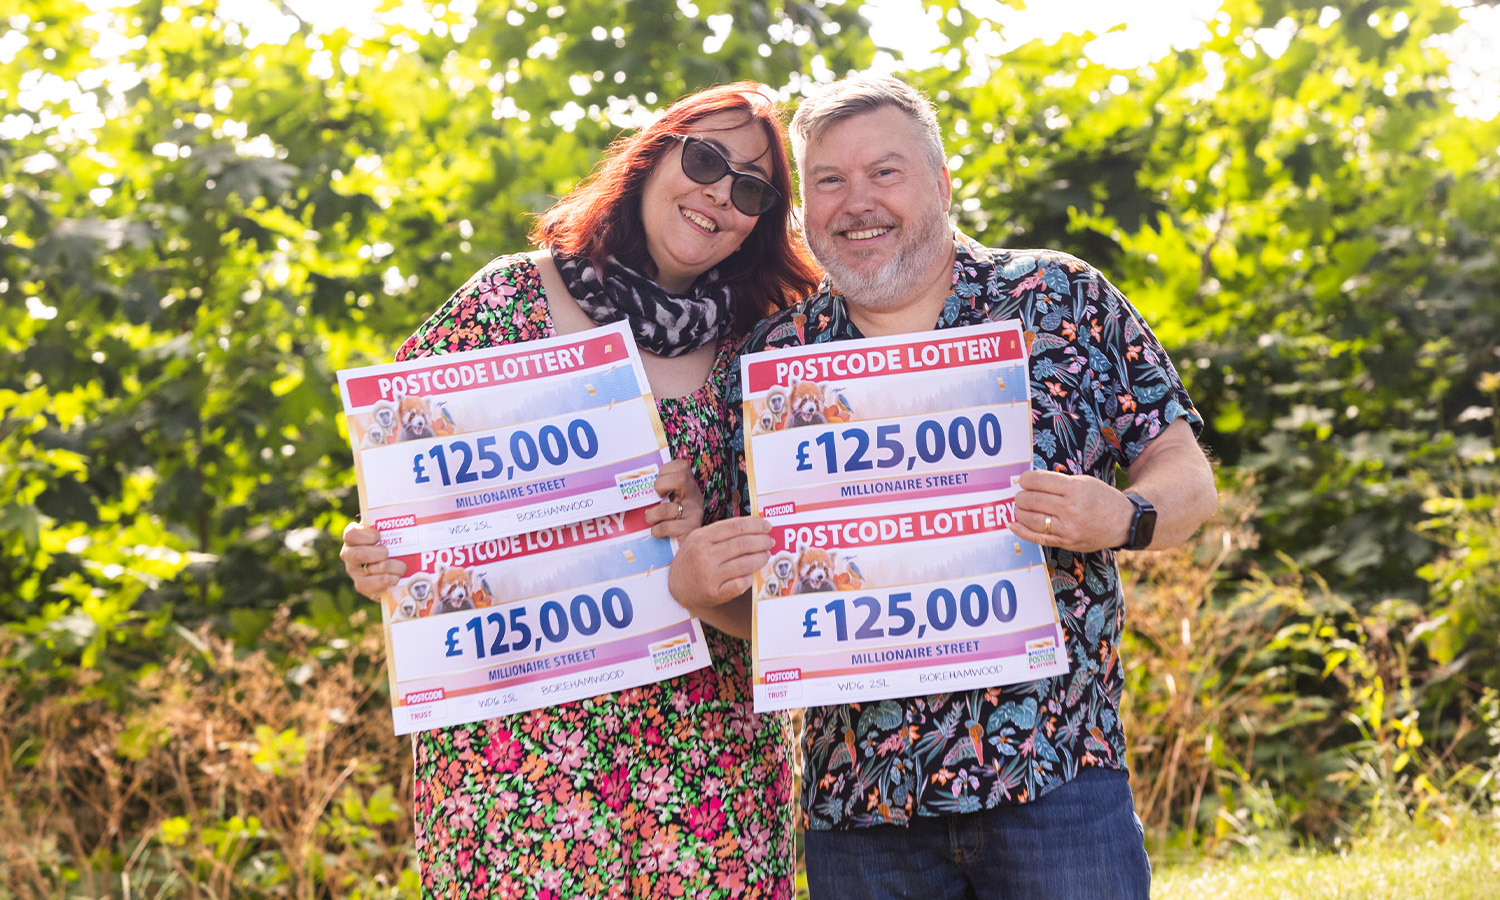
368,562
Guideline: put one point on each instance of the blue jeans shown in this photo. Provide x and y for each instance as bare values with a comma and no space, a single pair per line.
1082,841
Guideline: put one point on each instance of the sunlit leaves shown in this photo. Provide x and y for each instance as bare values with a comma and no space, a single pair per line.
240,215
1299,213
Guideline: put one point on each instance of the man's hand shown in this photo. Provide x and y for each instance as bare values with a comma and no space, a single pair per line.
715,567
717,563
1082,513
1072,512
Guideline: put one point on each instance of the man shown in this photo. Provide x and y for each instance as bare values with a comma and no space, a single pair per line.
1045,810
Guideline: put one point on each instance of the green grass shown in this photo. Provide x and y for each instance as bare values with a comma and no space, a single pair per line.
1463,866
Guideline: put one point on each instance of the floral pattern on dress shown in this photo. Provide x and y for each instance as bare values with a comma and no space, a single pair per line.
1101,388
673,789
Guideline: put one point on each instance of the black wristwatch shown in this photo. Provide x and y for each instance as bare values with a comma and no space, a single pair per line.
1142,524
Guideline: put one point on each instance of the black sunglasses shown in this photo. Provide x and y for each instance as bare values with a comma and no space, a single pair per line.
702,162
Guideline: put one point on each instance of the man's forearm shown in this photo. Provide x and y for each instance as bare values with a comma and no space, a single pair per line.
1175,475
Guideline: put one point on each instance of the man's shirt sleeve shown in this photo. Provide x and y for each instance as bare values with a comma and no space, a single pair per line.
1148,391
735,446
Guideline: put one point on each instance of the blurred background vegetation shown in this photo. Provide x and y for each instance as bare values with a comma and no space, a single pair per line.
199,224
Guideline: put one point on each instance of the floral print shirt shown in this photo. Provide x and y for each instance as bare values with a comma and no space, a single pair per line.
672,789
1102,388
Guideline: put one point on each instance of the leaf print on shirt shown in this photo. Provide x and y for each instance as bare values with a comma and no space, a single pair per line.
1089,353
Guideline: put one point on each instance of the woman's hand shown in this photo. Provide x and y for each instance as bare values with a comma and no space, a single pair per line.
717,563
368,562
681,508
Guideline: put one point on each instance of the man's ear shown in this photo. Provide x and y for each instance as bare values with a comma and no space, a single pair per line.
945,185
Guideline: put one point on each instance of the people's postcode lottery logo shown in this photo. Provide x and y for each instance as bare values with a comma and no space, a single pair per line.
637,484
1041,653
669,653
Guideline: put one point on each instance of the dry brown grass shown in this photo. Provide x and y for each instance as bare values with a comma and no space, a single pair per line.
217,770
1206,678
1262,712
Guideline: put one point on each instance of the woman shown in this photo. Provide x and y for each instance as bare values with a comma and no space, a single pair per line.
675,789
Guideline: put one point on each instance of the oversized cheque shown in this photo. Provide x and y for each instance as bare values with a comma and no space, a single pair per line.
886,468
512,482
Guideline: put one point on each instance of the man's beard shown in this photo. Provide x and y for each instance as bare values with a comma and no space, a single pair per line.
926,240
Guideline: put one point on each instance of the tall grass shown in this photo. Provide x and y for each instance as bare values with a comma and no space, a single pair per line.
1262,712
1211,692
216,773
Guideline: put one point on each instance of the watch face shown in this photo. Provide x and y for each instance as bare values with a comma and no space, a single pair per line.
1144,526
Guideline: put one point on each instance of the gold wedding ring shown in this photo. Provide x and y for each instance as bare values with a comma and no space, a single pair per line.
1046,525
679,509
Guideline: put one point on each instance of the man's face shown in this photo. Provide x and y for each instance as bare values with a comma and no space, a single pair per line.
876,211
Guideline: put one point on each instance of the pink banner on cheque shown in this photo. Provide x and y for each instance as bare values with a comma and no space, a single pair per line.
495,512
886,467
840,496
933,668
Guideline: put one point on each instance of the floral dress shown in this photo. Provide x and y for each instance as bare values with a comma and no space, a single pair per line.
674,789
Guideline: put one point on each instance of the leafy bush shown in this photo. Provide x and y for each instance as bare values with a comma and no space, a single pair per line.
1265,711
218,772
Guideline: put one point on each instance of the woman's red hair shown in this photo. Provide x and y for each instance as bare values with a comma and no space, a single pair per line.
601,217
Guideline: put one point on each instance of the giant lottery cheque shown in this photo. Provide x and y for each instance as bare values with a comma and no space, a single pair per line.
513,482
886,469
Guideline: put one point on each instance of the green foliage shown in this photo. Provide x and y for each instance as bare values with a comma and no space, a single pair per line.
197,231
1213,698
1463,629
184,277
1266,711
1309,228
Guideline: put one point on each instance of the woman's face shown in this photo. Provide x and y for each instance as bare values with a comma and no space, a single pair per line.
692,227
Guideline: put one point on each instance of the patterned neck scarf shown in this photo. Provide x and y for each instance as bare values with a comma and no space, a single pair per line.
663,322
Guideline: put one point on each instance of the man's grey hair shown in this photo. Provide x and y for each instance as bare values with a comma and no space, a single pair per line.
864,94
